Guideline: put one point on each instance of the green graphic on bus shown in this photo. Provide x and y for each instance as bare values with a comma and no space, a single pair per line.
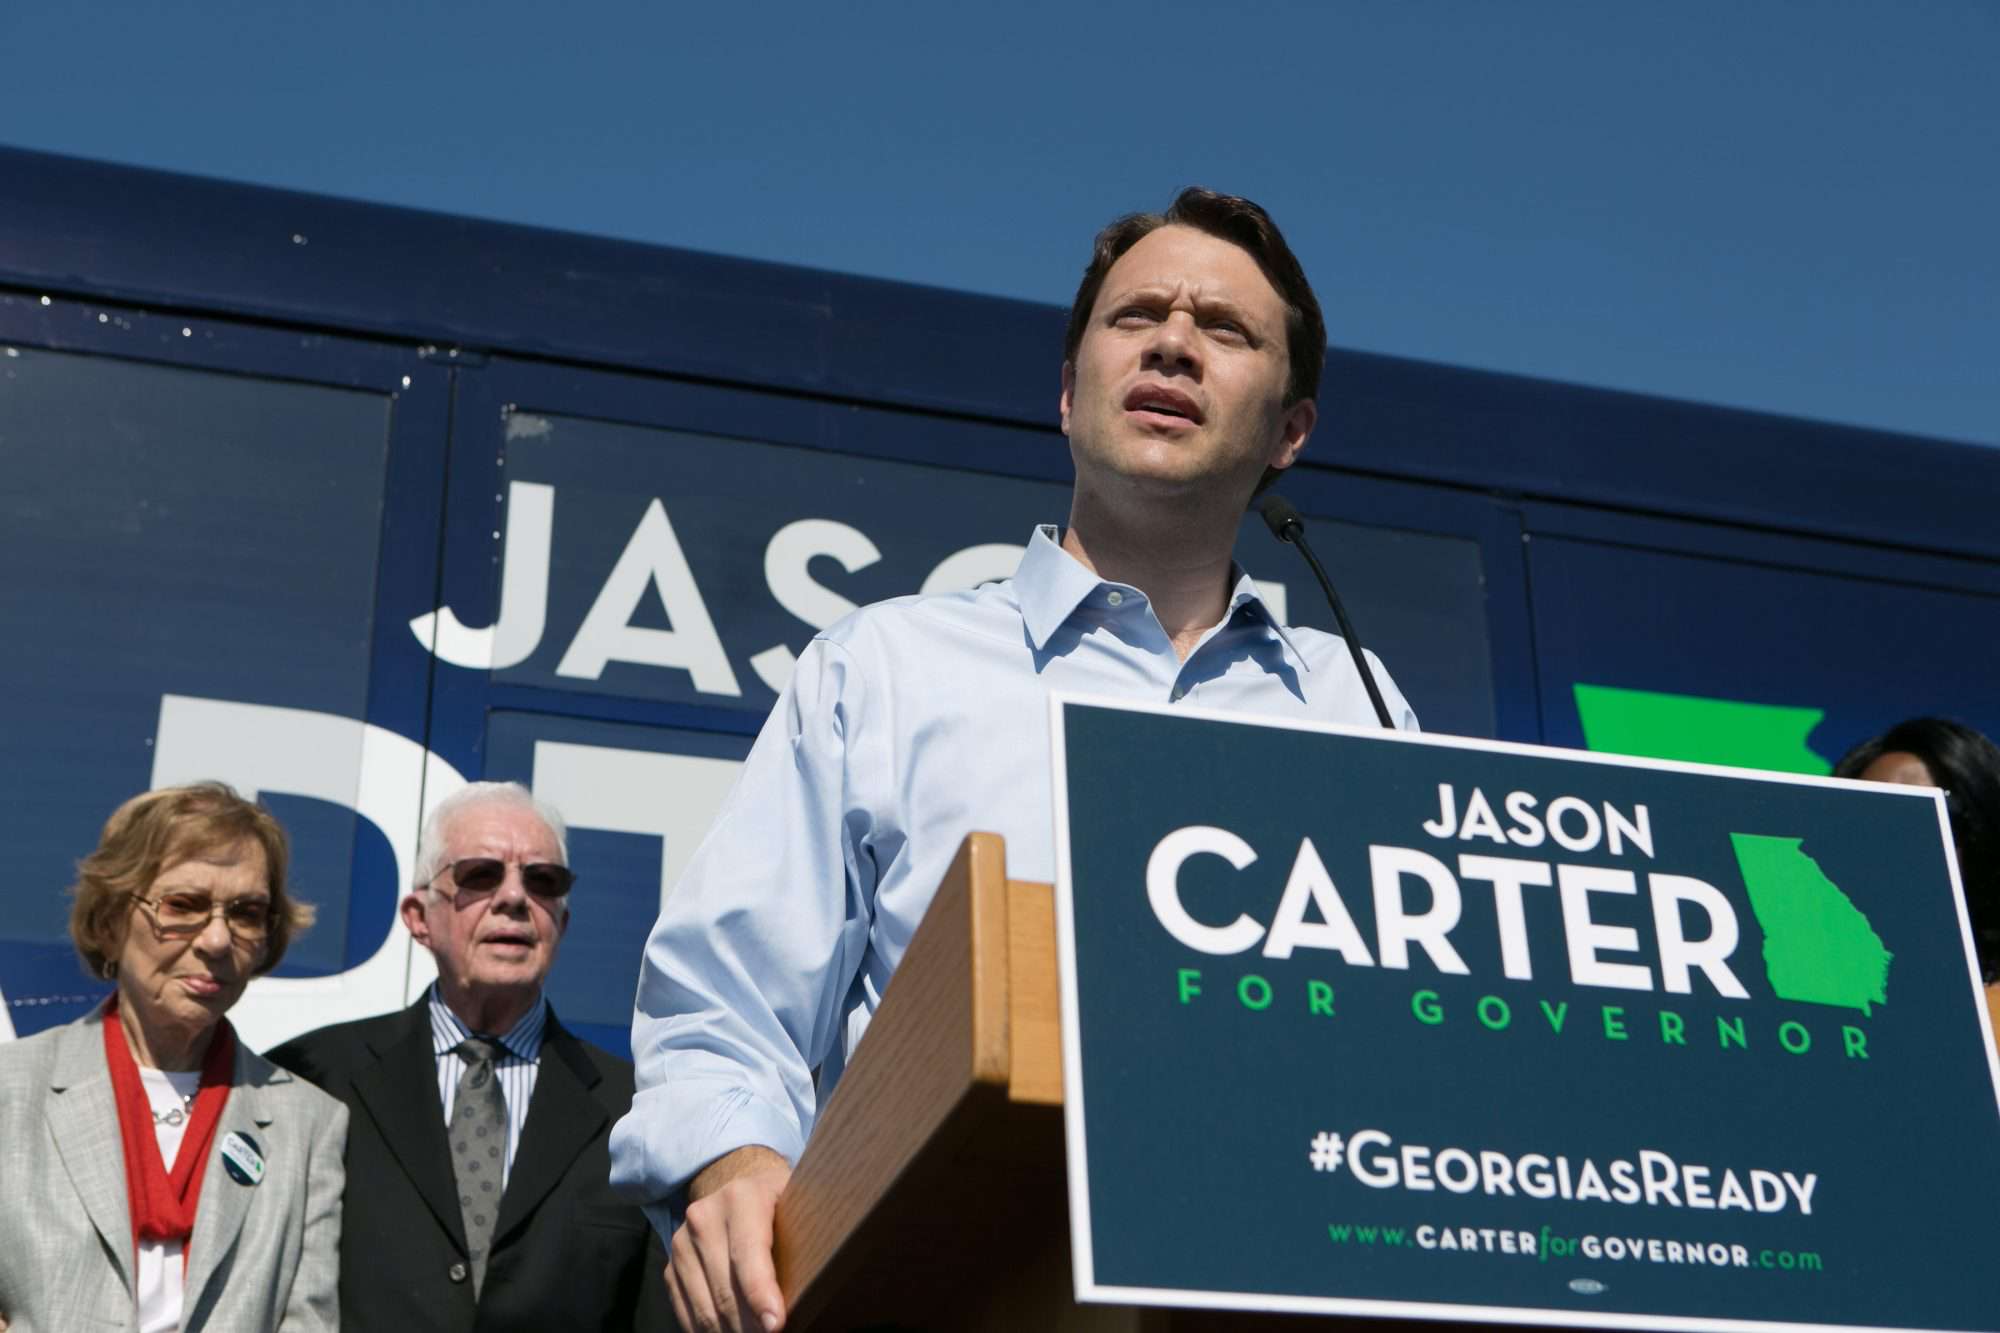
1699,730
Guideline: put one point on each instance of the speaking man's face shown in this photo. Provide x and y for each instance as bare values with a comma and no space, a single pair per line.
1178,384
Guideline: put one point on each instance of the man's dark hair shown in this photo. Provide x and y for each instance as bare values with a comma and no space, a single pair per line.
1967,766
1242,223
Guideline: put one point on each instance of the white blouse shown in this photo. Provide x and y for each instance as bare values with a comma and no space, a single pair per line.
161,1272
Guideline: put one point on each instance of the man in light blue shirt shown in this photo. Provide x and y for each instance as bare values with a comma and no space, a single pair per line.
1191,365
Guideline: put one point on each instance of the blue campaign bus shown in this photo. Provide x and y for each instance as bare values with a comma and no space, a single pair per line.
348,505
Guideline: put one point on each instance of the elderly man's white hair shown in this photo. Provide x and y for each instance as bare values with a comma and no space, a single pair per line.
477,795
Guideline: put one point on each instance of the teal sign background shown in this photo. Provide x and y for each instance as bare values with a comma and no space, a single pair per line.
1200,1110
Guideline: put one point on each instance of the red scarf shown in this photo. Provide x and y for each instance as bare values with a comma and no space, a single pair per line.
163,1206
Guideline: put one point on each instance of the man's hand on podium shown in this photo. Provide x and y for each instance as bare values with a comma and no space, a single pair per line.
720,1275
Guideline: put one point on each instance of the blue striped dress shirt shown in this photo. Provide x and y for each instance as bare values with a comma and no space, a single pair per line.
517,1068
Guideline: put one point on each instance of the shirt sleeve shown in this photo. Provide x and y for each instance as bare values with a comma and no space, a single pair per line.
745,974
1400,712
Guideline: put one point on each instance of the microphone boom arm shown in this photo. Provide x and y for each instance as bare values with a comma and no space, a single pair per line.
1287,526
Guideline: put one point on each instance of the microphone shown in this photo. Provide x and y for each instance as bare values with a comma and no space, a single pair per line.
1287,526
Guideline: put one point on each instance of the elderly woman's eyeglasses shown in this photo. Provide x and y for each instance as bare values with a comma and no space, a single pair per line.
182,916
475,875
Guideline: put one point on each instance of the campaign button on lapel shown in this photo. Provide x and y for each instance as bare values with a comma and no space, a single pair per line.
242,1159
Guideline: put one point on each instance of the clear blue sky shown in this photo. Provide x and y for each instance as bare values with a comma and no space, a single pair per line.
1786,206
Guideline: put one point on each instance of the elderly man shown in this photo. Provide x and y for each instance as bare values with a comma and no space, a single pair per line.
476,1165
1189,375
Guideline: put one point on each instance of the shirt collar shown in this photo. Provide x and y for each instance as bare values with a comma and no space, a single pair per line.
1246,595
1051,583
523,1040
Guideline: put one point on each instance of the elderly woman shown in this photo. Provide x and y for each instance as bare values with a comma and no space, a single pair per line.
157,1174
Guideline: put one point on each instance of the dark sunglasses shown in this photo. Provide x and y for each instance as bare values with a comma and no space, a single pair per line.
485,874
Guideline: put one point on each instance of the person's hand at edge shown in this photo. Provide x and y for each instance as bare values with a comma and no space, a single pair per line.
720,1274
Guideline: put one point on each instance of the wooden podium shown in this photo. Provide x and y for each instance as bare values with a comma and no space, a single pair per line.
932,1193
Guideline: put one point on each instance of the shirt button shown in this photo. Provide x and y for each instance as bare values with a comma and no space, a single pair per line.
1115,597
1180,693
458,1272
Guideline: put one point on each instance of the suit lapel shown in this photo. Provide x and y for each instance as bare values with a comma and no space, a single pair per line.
218,1217
562,1119
83,1119
399,1092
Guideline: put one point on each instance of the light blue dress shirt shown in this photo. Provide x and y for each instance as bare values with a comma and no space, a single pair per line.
906,726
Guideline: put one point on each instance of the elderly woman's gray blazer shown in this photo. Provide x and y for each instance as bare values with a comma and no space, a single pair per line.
262,1257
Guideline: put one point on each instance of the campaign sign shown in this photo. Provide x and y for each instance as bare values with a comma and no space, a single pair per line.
1373,1023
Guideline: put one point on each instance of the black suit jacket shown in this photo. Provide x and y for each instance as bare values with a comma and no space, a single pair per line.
566,1253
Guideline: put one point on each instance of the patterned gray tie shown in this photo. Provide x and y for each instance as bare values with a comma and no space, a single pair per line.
478,1134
